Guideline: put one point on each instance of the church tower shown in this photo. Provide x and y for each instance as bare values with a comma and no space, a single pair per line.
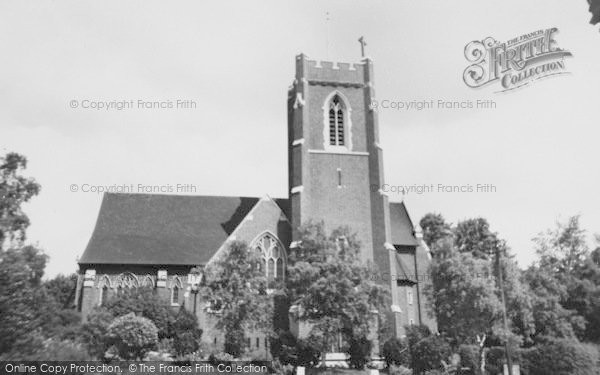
335,160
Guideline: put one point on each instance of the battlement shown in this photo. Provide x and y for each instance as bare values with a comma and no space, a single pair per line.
319,70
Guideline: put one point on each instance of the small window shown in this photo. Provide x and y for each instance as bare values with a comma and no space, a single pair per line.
103,295
409,297
257,342
175,295
411,322
339,176
248,342
215,341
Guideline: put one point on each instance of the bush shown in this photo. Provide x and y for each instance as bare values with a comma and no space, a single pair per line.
144,302
94,332
562,357
186,333
429,354
360,352
469,357
395,352
132,335
57,350
399,370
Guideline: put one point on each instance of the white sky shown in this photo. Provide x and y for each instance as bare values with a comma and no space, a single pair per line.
236,60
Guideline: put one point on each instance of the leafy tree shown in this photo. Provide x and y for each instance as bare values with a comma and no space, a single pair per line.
24,304
359,350
566,283
186,333
474,236
434,228
463,295
132,335
395,351
144,302
331,287
94,332
428,353
62,289
237,287
595,10
15,190
562,357
550,317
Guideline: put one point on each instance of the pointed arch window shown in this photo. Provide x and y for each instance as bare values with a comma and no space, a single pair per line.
272,256
336,122
103,295
175,295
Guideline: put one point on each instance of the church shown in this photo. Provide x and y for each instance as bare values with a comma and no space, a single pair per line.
335,176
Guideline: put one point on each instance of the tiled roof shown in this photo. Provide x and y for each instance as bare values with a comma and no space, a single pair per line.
164,229
401,226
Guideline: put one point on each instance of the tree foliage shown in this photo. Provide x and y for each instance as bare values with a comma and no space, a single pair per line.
434,228
25,308
395,351
236,287
331,287
132,335
463,295
15,189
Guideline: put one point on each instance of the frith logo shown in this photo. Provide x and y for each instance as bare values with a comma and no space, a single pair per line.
514,63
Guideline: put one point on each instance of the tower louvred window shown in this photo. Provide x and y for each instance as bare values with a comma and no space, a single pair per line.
336,122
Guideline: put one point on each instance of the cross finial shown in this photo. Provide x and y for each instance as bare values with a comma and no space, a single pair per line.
362,42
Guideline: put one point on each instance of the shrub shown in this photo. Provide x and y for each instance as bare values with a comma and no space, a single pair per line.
94,332
360,352
429,353
144,302
562,357
399,370
469,357
395,352
61,350
283,347
186,333
132,335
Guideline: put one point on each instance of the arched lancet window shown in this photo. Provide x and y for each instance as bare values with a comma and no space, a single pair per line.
103,295
272,256
336,122
148,282
176,287
175,295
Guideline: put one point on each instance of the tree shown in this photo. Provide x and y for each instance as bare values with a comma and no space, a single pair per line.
236,287
434,228
463,295
562,357
563,248
24,306
595,10
332,288
429,354
395,351
186,333
144,302
566,283
94,332
62,289
133,336
15,190
474,236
